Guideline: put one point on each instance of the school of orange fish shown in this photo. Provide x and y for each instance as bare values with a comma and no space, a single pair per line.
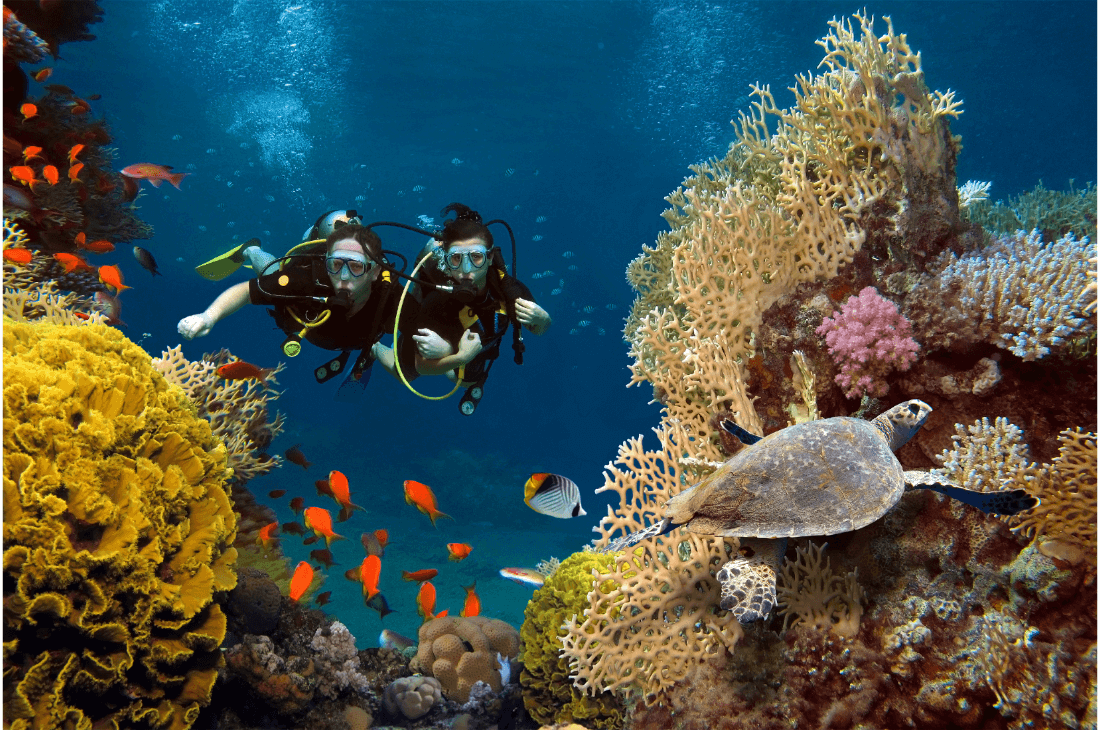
319,521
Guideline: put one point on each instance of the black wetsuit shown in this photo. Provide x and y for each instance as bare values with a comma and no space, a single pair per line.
449,318
339,331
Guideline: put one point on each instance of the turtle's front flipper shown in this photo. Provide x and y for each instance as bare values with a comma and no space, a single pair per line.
1007,502
657,528
748,439
748,584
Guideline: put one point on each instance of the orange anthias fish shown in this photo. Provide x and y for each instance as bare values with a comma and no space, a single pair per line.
72,262
457,551
30,153
100,246
28,110
383,537
341,492
299,583
25,175
472,606
50,173
18,255
425,601
75,150
74,172
80,239
112,277
320,521
42,74
368,573
267,534
155,174
422,497
419,575
241,370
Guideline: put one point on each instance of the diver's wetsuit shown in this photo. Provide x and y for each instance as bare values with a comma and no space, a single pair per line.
449,318
338,332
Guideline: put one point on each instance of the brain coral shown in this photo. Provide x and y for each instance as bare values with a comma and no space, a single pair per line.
117,533
460,652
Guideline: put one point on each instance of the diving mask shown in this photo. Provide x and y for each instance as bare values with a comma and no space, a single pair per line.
468,259
347,264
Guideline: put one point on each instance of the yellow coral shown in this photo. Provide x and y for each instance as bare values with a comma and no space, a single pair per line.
117,529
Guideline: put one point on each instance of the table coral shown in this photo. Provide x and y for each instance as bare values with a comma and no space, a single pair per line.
460,652
117,530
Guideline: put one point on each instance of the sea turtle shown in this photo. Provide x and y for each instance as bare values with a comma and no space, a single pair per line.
818,478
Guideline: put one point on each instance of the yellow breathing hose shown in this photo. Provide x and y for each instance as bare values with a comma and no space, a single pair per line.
396,364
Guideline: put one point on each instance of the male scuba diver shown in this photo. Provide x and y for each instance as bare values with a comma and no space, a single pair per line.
463,328
335,290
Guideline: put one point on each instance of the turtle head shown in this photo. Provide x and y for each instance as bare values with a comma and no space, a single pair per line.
902,421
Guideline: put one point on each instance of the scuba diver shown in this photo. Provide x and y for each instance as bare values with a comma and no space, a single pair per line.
458,332
336,290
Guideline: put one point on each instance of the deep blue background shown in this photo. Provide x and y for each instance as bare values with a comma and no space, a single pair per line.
597,108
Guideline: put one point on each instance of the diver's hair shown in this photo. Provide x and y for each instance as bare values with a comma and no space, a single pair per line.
466,224
365,237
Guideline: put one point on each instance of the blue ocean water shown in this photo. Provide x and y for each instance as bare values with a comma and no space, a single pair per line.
572,121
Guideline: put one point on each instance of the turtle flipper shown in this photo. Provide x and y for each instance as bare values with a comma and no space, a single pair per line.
657,528
746,438
748,584
1007,502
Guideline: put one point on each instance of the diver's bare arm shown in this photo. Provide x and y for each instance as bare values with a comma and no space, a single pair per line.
468,348
228,302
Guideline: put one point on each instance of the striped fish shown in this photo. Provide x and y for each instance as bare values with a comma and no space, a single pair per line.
553,495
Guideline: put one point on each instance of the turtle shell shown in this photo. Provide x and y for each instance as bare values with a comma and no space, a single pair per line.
819,478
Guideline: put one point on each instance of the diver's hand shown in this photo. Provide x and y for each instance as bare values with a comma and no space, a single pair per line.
197,325
431,346
469,346
535,317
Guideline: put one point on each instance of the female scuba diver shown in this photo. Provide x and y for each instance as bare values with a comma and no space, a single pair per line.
463,328
337,294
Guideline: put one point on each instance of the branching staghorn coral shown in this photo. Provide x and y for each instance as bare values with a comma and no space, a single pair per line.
810,593
43,303
237,410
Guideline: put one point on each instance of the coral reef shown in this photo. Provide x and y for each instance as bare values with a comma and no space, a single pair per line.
854,187
237,409
412,697
117,533
548,694
1053,212
460,652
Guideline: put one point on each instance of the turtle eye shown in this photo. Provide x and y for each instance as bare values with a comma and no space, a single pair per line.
914,409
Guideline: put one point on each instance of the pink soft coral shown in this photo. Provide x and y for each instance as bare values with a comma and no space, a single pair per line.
867,338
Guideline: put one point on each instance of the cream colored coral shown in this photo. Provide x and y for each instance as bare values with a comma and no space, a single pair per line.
1066,490
462,651
412,697
658,617
43,303
236,409
811,594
